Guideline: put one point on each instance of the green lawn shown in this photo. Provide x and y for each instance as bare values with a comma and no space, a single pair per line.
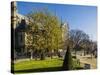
39,65
33,64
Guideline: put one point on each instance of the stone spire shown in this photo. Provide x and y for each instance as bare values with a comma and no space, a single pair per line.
65,31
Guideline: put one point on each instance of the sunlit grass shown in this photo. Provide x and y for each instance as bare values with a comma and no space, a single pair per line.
33,64
48,64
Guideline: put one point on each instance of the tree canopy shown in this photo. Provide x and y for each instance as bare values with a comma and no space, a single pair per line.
45,31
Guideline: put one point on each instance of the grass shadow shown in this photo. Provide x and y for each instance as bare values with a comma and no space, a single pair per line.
51,69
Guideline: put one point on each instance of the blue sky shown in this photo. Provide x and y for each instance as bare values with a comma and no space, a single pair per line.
79,17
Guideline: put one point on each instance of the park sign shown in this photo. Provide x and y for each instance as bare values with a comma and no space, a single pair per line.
87,66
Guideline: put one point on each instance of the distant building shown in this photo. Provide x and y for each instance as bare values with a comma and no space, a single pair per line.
65,31
65,34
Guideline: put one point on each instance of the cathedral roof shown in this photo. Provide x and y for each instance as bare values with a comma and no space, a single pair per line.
20,17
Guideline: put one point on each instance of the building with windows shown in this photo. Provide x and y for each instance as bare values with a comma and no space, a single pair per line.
18,31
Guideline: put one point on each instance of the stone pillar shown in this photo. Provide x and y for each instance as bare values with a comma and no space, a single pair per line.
13,26
14,14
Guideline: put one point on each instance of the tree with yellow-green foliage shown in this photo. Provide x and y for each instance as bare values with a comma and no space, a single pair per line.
46,32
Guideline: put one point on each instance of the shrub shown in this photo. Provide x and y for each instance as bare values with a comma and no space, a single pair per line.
67,64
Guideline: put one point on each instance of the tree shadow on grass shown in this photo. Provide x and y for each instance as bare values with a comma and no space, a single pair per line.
51,69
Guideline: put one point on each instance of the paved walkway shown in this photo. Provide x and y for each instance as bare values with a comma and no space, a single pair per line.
88,60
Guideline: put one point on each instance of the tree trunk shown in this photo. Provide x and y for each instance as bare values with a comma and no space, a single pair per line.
42,55
75,52
31,55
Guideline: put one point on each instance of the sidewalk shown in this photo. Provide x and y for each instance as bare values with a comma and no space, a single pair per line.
87,60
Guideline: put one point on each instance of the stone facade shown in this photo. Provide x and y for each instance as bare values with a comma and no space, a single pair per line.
18,30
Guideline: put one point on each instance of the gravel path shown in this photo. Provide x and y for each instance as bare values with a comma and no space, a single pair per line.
88,60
